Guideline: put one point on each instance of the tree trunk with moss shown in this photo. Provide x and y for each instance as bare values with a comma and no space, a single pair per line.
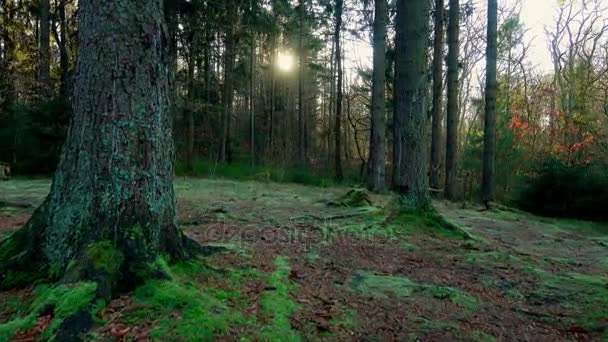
111,209
410,118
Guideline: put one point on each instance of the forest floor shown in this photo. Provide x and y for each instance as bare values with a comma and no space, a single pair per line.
296,267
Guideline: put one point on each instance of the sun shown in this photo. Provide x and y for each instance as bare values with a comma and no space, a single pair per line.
285,61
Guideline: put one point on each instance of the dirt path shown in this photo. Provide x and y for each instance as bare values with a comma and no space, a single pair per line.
339,273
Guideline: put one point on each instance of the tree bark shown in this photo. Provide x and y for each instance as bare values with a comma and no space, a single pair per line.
376,174
435,172
451,155
338,123
113,184
412,180
488,183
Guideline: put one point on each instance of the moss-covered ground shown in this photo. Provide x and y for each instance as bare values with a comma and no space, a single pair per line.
296,266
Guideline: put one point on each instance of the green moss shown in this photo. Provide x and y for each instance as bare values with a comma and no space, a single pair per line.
430,223
586,296
277,306
454,295
65,299
189,306
492,257
382,286
184,311
428,325
480,336
104,256
347,320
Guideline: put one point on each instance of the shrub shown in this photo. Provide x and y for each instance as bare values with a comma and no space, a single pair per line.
579,191
245,171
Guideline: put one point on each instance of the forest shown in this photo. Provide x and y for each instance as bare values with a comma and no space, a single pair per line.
303,170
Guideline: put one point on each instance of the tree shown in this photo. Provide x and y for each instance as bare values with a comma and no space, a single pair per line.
376,178
338,123
228,91
411,160
488,184
437,111
452,112
61,37
301,65
112,194
45,54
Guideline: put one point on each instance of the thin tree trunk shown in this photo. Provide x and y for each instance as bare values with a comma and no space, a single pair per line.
228,94
62,44
437,117
45,54
251,100
488,183
451,155
376,174
338,122
302,62
412,180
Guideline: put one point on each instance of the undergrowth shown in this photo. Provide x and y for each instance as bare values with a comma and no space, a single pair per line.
245,171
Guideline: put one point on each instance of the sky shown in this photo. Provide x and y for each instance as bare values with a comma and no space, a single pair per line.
535,15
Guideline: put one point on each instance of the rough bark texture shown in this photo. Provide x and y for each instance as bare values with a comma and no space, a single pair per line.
113,183
451,155
376,173
436,157
488,184
338,123
45,55
412,180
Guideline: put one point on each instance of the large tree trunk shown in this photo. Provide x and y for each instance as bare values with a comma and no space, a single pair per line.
113,186
376,173
412,181
451,155
45,54
488,184
338,123
435,172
